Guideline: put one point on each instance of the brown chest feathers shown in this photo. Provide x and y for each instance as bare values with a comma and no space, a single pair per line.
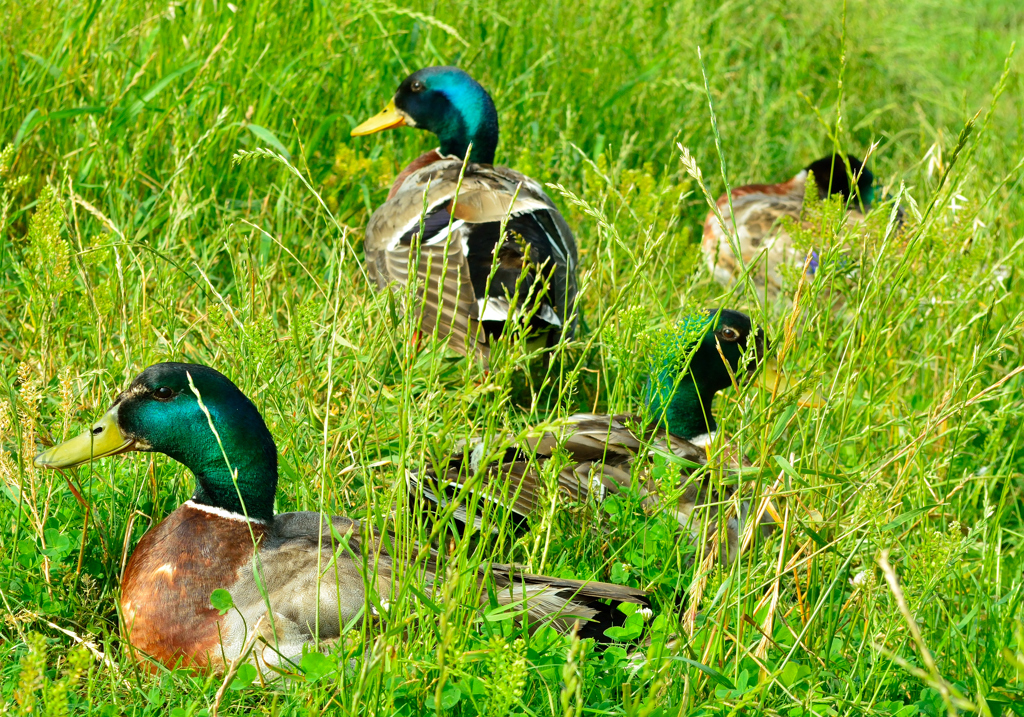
414,166
165,592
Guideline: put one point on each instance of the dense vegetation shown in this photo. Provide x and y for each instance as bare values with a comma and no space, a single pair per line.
177,182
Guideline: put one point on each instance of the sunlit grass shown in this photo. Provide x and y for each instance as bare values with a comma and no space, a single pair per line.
130,235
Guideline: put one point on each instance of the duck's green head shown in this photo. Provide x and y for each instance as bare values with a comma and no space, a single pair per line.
680,391
832,177
447,102
160,412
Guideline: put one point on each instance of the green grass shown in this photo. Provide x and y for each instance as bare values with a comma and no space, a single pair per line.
128,235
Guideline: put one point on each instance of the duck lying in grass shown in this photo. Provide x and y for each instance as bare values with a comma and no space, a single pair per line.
757,209
294,578
604,448
442,223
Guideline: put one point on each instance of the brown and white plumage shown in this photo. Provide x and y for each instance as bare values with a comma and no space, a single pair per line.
754,221
486,245
295,579
534,263
309,587
606,453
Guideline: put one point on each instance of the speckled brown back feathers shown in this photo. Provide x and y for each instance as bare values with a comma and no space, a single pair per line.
754,220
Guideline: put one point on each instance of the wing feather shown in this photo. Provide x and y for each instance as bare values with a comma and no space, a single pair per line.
425,200
305,586
603,452
444,300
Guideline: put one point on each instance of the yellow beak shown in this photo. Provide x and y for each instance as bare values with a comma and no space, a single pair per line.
772,379
103,439
387,119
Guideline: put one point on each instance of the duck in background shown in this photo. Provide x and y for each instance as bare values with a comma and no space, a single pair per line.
296,579
605,448
757,209
442,224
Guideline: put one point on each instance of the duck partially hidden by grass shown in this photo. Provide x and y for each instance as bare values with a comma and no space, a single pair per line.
442,224
605,449
757,210
291,581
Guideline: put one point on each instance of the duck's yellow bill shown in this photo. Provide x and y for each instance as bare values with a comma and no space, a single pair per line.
387,119
103,439
772,379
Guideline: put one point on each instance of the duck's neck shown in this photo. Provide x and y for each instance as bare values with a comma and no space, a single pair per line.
246,489
475,124
685,410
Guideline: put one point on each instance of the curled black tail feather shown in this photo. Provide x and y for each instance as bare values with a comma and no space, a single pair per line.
563,602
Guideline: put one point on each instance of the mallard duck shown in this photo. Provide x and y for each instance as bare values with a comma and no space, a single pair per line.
442,222
228,536
678,419
757,209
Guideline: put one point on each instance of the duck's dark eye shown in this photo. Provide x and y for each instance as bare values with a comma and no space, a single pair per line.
416,86
163,393
728,334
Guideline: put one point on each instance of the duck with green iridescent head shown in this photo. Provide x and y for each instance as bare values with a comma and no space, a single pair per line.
448,212
296,579
690,364
752,214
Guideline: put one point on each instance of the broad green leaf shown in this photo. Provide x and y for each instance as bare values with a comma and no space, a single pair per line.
450,697
32,119
709,671
162,83
56,542
792,673
630,629
782,422
908,516
316,666
75,111
244,677
221,600
270,138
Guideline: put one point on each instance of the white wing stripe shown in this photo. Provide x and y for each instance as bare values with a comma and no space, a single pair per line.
440,237
397,238
495,309
492,309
